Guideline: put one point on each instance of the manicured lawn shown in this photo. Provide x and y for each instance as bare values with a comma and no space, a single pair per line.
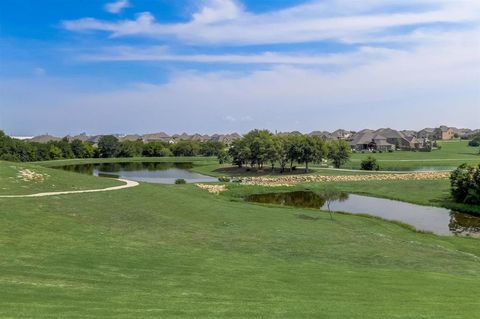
175,251
45,180
451,154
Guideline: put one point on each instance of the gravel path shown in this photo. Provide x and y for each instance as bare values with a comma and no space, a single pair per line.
128,184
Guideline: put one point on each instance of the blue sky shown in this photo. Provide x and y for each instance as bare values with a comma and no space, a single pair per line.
136,66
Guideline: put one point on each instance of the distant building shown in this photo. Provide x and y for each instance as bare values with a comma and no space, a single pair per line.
444,133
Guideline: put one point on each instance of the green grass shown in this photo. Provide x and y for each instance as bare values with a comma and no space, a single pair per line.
175,251
451,154
54,180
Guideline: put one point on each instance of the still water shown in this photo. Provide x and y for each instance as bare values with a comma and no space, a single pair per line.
163,173
440,221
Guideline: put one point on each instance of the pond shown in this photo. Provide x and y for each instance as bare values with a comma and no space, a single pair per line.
152,172
437,220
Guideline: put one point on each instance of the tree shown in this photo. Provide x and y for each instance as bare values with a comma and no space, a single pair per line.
370,164
293,147
156,149
222,156
274,151
65,147
283,156
239,152
130,149
55,152
81,149
186,148
465,184
311,149
258,142
339,152
211,148
108,146
332,195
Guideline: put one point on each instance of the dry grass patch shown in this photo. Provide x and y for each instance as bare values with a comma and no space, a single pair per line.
293,180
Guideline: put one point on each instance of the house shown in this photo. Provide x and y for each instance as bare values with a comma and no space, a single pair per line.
370,141
156,137
132,138
396,138
426,133
322,134
444,133
340,134
44,138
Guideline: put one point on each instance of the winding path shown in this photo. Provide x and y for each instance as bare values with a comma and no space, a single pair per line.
128,184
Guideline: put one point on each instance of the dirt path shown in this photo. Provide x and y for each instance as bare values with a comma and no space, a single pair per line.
128,184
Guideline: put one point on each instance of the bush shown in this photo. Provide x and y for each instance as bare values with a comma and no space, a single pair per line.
370,164
224,179
390,151
465,184
180,181
475,142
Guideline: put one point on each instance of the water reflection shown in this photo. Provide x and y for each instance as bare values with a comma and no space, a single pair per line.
154,172
437,220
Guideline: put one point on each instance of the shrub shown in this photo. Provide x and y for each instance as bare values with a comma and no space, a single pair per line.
180,181
224,179
475,142
370,164
390,151
465,184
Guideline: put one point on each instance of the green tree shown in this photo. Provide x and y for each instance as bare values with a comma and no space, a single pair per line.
222,156
108,146
81,149
312,149
465,184
294,148
55,152
274,151
339,152
211,148
130,149
258,142
156,149
186,148
239,152
370,164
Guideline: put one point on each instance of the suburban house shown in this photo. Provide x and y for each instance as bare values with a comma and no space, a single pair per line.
444,133
132,138
370,141
157,137
340,134
385,139
441,133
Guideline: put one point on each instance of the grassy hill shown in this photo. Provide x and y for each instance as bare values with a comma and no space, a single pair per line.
175,251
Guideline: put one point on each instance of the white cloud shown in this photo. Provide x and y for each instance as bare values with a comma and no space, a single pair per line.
218,10
117,6
432,84
226,22
163,54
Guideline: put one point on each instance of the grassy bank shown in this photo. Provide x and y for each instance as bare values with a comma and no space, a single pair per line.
175,251
18,179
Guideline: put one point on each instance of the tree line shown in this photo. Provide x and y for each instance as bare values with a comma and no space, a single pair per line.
260,147
108,146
